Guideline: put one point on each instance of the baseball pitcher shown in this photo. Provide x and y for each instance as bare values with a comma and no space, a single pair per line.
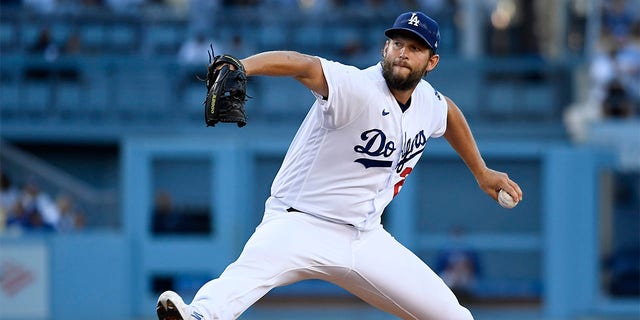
360,140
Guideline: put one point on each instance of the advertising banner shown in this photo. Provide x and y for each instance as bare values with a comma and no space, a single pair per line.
24,281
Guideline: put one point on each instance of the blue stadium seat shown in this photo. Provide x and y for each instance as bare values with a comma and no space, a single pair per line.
500,98
29,34
9,92
165,38
92,37
272,36
192,98
60,32
124,37
98,97
284,98
8,36
538,100
68,96
36,97
310,35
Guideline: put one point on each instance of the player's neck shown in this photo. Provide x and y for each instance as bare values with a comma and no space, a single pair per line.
402,96
404,106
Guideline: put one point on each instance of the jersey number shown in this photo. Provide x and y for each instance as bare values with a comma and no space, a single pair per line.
398,185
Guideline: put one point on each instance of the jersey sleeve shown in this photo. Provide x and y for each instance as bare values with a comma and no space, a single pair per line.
346,98
440,121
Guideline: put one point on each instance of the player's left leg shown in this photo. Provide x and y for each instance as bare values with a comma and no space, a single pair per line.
287,247
390,277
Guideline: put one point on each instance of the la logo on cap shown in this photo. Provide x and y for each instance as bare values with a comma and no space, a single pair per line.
414,20
420,25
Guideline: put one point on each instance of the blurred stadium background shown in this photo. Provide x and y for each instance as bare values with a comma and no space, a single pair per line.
107,165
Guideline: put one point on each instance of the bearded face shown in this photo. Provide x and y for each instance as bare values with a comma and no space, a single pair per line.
406,53
397,81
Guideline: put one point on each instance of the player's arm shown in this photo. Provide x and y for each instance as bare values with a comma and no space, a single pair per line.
459,136
304,68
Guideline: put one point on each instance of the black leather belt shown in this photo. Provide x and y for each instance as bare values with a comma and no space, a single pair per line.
292,209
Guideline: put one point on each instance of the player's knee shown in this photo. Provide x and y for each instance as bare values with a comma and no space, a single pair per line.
462,313
457,312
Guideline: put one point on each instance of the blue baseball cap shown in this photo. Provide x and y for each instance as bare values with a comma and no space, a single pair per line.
419,24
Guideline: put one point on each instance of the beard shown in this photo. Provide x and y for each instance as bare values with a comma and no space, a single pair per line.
397,82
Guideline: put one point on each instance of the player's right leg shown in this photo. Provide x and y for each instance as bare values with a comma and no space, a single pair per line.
390,277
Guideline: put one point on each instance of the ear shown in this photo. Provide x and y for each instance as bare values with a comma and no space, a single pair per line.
433,62
384,49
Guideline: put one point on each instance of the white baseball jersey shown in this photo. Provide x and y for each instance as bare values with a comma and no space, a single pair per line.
353,151
345,164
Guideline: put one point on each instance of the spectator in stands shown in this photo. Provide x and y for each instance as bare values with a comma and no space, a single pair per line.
617,18
40,6
18,218
45,46
72,45
282,4
458,265
617,102
238,44
8,199
352,48
354,51
614,75
164,218
629,64
36,223
194,50
609,94
70,218
434,7
201,13
33,200
240,3
603,70
125,6
317,7
81,220
621,27
26,218
192,57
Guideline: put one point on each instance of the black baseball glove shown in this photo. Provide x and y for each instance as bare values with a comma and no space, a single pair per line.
226,91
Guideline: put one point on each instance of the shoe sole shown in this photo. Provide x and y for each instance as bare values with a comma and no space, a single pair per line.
168,313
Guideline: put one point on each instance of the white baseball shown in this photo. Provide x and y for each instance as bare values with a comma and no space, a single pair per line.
505,200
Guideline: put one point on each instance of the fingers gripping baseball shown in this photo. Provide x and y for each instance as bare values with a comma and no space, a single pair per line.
492,182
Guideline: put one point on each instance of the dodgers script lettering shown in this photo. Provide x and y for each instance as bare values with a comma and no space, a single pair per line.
412,148
376,145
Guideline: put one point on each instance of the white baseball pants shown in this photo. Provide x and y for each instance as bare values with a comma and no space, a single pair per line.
291,246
